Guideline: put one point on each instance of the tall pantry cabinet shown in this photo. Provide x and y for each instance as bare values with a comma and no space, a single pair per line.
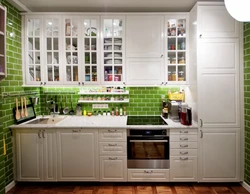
215,35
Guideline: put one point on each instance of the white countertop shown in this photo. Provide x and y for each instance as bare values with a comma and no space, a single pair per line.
98,122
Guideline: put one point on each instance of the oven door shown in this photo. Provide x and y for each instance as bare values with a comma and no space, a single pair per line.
148,152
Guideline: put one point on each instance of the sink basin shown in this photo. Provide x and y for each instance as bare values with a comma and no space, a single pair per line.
53,120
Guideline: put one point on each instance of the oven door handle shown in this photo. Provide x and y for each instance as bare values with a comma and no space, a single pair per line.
148,140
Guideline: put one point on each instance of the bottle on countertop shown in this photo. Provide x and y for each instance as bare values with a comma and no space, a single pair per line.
124,111
113,112
116,111
84,112
120,112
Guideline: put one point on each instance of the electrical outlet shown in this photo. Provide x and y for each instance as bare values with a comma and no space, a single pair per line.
94,106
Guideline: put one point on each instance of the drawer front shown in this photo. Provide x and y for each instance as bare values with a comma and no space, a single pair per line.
183,145
112,149
183,137
183,131
112,135
150,175
183,152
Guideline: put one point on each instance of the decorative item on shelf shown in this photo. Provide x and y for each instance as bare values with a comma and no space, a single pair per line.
176,96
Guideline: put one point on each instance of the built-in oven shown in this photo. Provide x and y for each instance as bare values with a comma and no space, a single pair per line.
147,147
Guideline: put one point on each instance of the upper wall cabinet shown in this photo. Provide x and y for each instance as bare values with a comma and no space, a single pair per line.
3,69
112,43
144,35
176,57
214,21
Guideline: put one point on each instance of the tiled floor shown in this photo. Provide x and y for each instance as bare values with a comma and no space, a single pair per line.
128,188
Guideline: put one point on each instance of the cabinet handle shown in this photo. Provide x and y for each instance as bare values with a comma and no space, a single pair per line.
184,146
41,83
39,135
183,153
201,133
166,83
124,83
201,123
183,138
43,133
75,131
183,131
112,130
44,83
112,144
148,171
200,35
162,83
83,83
181,158
79,83
114,158
161,56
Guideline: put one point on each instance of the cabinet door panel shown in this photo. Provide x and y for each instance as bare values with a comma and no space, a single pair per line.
215,21
145,71
29,156
220,155
144,36
78,159
223,102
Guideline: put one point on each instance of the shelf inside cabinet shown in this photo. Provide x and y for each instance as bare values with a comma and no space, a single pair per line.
104,101
104,93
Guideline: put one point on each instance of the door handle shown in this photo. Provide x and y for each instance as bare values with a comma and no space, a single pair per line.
201,133
183,138
43,133
183,146
112,130
39,134
148,141
114,158
201,123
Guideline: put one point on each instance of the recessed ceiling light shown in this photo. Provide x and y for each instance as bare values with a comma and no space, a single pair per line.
50,23
239,9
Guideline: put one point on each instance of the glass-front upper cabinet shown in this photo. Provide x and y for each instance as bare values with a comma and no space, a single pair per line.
3,68
53,63
91,60
177,57
113,49
71,45
33,57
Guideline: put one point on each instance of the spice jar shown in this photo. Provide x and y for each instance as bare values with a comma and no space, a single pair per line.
173,76
173,61
181,60
169,76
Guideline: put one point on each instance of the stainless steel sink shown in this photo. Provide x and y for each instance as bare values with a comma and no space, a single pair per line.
52,120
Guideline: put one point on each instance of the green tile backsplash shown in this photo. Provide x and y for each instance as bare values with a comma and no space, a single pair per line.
247,99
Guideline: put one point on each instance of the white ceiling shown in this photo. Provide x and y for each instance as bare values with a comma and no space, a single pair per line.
105,5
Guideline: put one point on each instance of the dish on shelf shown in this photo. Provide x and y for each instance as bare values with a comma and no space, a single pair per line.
107,40
108,61
117,54
117,61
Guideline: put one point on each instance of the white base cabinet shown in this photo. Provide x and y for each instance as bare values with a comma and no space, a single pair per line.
35,155
113,168
220,155
78,155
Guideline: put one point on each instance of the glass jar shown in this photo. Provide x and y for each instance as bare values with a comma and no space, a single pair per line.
181,76
181,60
173,76
173,61
169,76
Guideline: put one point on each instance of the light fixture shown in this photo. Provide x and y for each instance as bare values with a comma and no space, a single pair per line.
239,9
50,23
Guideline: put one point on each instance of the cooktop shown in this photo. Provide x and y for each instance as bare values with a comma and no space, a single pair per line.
145,120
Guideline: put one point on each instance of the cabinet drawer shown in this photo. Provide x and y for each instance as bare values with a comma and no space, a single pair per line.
183,152
183,168
183,145
114,148
150,175
183,131
183,137
112,135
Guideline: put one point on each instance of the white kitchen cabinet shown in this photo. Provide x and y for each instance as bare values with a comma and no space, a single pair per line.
113,47
183,155
215,21
91,34
144,35
148,175
219,155
35,155
78,155
177,56
216,79
145,71
113,168
3,67
113,155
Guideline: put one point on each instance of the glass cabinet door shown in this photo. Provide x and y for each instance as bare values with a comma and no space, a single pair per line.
176,50
90,51
53,63
71,43
113,50
33,51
